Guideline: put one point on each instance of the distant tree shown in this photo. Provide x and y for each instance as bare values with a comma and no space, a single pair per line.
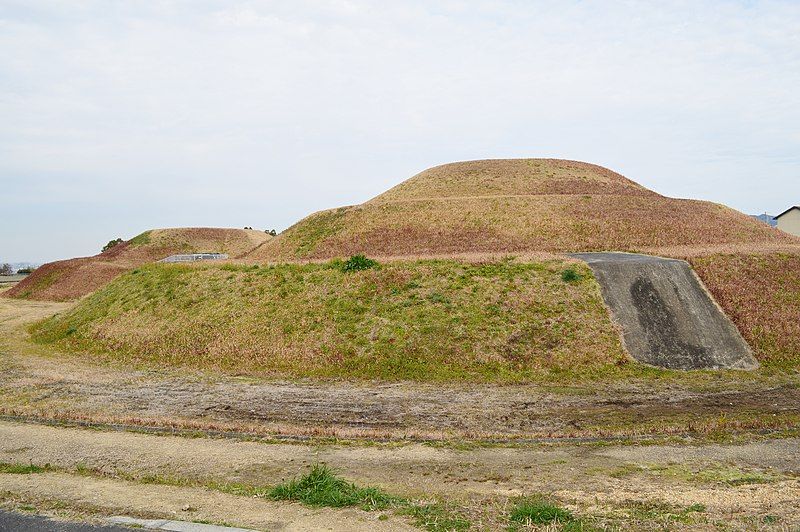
271,232
111,244
6,269
248,227
25,271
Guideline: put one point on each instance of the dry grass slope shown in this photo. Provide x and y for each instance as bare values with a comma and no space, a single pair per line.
761,294
70,279
429,320
516,206
512,177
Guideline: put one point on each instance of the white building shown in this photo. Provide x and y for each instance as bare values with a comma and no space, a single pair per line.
789,221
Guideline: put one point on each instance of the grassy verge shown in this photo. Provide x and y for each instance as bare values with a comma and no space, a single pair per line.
426,320
321,486
22,469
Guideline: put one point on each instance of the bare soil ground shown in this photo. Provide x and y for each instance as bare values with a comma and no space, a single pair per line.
42,387
36,382
738,484
733,475
107,497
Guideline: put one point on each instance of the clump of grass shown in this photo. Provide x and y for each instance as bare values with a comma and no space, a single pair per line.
322,487
240,267
570,276
538,511
358,263
663,512
733,476
22,469
435,517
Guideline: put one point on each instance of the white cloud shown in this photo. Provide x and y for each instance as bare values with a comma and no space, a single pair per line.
263,111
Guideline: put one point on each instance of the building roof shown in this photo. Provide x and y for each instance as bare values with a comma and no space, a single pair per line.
788,211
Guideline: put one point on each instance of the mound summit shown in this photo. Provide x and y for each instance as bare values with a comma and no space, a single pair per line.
519,205
73,278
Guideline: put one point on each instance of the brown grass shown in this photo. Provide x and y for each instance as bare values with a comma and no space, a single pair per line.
66,279
519,224
761,294
512,177
71,279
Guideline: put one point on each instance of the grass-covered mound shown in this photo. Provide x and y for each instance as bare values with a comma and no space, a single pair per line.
516,206
73,278
760,292
427,320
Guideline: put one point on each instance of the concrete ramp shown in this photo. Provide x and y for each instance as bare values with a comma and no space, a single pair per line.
668,319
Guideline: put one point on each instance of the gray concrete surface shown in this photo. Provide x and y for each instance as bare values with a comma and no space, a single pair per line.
174,526
14,522
668,319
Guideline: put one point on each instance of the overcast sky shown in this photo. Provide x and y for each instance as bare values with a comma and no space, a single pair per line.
116,117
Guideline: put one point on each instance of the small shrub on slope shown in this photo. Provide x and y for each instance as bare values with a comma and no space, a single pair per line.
358,263
570,276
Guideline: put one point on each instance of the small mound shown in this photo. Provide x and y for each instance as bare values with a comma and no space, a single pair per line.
74,278
427,320
516,206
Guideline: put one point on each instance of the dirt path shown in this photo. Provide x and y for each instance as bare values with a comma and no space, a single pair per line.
115,497
35,381
50,387
738,481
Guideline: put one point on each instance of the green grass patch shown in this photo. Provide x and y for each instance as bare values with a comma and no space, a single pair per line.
22,469
662,512
322,487
141,239
537,510
424,320
570,276
436,517
310,232
712,474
